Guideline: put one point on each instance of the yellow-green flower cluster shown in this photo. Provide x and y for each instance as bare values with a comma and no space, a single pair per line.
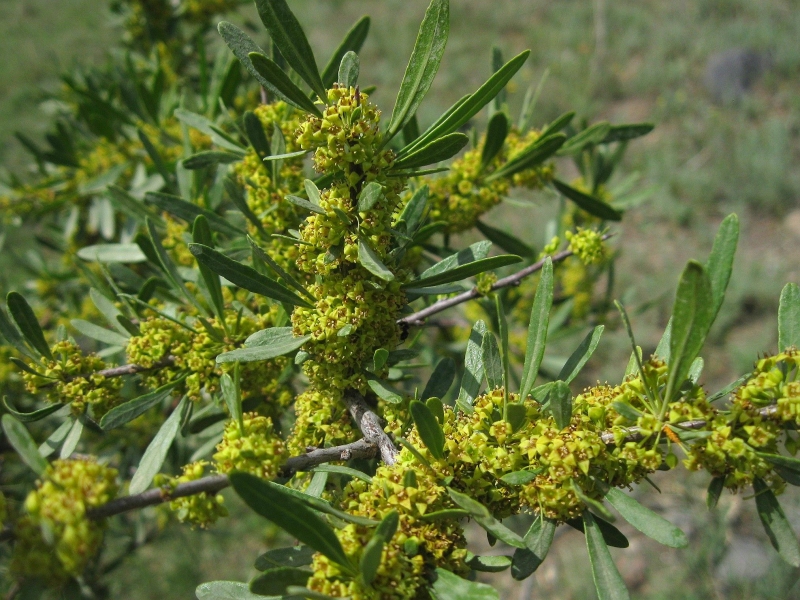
255,448
587,245
321,420
55,540
774,382
72,377
201,11
199,510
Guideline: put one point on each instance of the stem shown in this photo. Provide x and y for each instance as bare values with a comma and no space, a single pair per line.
370,425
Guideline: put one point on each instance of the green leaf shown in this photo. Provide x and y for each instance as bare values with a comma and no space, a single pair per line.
201,234
505,240
581,355
384,391
460,272
225,590
232,397
590,204
369,196
476,251
101,334
596,505
204,125
352,42
473,368
489,564
437,408
607,580
485,519
340,470
496,134
36,415
110,312
371,558
291,514
436,151
12,335
244,276
537,329
320,505
260,253
662,350
492,363
441,379
645,520
72,439
293,556
287,35
444,515
429,429
156,451
691,319
19,438
537,544
517,415
28,324
105,253
370,260
561,404
303,203
422,65
629,131
715,487
786,462
558,124
127,412
264,345
468,106
449,586
593,134
180,208
348,70
274,582
169,266
414,209
720,262
256,135
789,317
531,156
776,525
520,477
210,158
281,85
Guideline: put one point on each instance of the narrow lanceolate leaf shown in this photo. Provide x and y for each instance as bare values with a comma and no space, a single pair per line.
496,134
19,438
127,412
607,580
169,267
628,131
22,314
288,36
178,207
789,317
352,42
423,64
256,135
505,240
348,70
473,368
489,564
370,260
593,134
775,524
369,196
203,124
485,519
36,415
273,582
662,350
645,520
303,203
277,346
109,311
492,363
244,276
463,271
105,253
558,124
293,556
11,334
101,334
720,261
384,390
561,404
715,487
371,558
201,234
468,106
290,514
72,439
210,158
281,85
537,544
231,396
476,251
590,204
581,355
156,452
428,428
449,586
691,320
441,379
263,255
531,156
436,151
537,329
225,590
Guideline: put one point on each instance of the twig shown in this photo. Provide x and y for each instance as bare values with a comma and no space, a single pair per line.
370,425
418,318
214,483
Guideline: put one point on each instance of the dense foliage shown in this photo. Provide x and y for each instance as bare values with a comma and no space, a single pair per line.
212,308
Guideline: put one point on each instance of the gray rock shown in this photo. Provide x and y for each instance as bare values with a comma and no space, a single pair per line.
730,74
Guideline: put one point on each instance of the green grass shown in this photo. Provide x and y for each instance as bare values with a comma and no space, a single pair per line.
703,160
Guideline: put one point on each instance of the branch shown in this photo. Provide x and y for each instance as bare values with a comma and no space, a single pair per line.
131,369
214,483
370,425
418,318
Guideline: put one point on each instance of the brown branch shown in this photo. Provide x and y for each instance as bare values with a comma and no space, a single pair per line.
418,318
370,425
214,483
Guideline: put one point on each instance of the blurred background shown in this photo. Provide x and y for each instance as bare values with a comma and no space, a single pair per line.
721,81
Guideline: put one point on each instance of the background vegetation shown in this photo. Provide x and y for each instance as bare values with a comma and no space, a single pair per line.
624,62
